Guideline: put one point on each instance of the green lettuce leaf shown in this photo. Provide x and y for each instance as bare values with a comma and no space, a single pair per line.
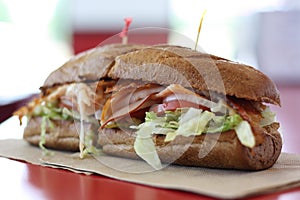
42,142
51,111
268,117
144,145
223,123
245,134
194,122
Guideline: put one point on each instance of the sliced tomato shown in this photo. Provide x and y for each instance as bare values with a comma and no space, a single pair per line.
173,105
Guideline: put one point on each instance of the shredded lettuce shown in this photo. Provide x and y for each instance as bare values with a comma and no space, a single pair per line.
223,123
43,133
268,117
194,122
48,111
189,122
144,145
150,116
169,121
51,111
170,136
90,148
42,141
245,135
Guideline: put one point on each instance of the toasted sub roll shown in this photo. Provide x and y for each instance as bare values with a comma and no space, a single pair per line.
181,71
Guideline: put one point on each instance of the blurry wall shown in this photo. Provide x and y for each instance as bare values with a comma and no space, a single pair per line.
278,45
44,34
95,21
263,34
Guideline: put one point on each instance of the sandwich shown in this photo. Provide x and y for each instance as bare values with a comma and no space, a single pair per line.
64,115
162,104
175,105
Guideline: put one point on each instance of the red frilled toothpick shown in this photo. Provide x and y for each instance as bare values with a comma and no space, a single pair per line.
124,33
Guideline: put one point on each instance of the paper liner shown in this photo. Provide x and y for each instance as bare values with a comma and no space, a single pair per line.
228,184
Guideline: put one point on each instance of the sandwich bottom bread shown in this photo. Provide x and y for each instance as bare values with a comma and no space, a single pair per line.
226,151
61,134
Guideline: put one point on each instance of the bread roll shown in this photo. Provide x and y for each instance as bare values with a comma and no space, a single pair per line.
90,65
204,74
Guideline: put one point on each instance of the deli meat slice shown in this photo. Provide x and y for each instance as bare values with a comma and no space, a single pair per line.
177,92
129,100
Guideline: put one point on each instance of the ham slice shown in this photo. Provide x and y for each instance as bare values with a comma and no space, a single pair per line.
177,92
129,100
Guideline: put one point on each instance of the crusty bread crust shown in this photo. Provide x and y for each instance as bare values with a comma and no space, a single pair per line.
208,150
63,136
89,65
173,64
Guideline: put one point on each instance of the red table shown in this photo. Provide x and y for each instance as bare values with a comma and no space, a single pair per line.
19,180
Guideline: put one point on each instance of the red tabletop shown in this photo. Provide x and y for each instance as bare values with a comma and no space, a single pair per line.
19,180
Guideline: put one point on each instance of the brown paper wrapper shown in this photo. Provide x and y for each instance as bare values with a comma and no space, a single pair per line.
226,184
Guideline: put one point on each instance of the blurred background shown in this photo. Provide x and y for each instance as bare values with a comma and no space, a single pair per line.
37,37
